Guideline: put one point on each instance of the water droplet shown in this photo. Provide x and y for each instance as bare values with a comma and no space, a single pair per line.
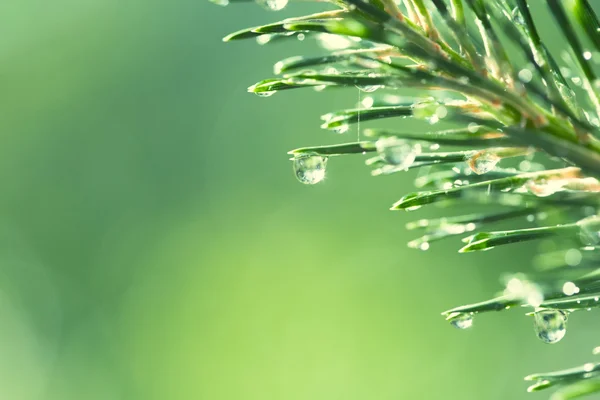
310,169
550,325
301,36
397,152
525,75
462,321
334,42
482,162
569,288
429,110
517,17
273,5
220,2
342,128
587,55
367,102
473,127
265,94
369,88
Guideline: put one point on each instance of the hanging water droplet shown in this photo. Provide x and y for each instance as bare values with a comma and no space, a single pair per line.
587,55
310,169
265,94
462,321
369,88
428,110
338,124
550,325
397,152
273,5
342,128
482,162
220,2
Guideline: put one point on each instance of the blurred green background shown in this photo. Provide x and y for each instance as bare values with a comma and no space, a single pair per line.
154,243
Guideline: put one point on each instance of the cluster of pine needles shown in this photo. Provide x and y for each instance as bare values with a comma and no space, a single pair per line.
492,93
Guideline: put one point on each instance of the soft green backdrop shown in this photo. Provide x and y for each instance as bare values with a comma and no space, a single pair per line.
154,243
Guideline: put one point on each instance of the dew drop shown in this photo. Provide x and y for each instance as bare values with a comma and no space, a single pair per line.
397,152
310,169
342,128
265,94
482,162
462,321
222,3
517,17
550,325
334,42
587,55
429,110
525,75
368,88
569,289
273,5
473,127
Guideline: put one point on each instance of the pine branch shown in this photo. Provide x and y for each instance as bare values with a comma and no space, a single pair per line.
500,110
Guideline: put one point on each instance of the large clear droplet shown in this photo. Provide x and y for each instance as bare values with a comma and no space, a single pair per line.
273,5
550,325
462,321
429,110
397,152
482,162
310,169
